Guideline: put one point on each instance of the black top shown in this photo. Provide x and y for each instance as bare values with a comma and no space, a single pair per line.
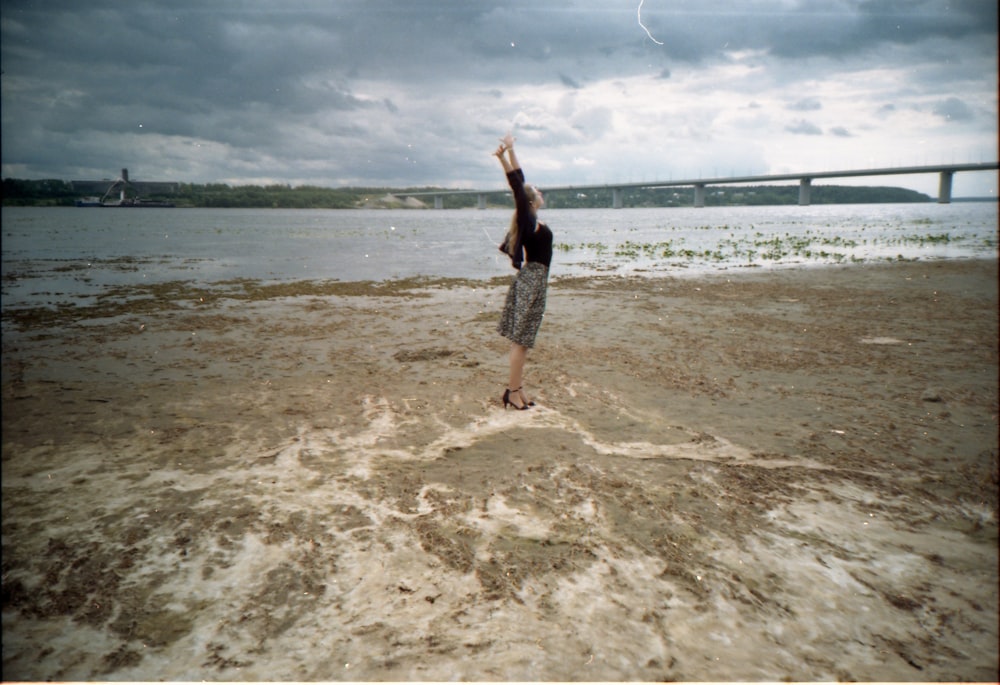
534,237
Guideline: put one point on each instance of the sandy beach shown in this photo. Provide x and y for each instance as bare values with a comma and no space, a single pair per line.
789,474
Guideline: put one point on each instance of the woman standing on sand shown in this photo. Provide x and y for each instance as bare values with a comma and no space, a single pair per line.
529,245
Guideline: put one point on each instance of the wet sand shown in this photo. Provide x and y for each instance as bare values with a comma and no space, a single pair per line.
750,476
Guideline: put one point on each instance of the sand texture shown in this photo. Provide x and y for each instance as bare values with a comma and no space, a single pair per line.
749,476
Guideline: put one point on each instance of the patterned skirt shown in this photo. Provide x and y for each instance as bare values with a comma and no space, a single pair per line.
525,306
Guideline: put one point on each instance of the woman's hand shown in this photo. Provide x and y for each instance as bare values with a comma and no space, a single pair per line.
499,151
508,141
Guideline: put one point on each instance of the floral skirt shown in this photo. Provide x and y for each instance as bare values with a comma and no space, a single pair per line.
525,306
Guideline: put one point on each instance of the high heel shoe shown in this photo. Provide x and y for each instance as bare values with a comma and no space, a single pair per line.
524,399
507,400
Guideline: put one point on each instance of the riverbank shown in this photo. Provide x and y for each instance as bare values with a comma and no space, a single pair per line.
49,193
769,475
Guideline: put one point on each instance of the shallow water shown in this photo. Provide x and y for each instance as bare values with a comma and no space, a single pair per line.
53,255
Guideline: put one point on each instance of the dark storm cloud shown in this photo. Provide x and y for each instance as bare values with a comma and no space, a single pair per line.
236,54
173,68
832,29
348,89
696,32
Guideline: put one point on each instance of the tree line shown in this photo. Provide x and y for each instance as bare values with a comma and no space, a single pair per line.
49,192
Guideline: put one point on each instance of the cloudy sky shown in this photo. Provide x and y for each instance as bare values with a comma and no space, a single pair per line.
416,92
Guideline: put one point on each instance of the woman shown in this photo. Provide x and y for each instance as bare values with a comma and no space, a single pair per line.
529,245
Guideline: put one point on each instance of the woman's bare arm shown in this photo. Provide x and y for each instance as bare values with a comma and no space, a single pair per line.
508,142
507,168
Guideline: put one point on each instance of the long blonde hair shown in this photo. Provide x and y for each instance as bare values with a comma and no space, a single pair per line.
510,243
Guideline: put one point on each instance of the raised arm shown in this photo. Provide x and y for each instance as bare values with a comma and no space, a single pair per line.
515,178
508,143
503,160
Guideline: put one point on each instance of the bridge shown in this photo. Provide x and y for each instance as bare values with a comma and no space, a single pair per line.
946,173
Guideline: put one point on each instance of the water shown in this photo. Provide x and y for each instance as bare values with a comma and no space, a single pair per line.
63,255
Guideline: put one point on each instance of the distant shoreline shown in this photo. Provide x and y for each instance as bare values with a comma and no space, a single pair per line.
409,206
56,193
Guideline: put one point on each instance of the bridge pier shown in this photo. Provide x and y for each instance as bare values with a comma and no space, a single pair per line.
481,203
944,187
805,185
617,201
438,202
699,194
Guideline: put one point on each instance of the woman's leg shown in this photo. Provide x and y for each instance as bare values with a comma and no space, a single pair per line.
518,353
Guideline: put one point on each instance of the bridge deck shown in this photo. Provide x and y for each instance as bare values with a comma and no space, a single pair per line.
766,178
805,180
